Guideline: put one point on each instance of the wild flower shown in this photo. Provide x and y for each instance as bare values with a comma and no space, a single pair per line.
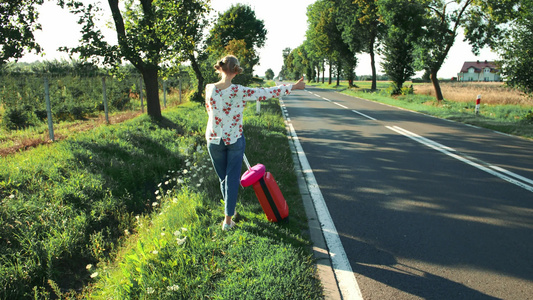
149,290
166,182
173,288
11,196
181,241
155,252
93,275
156,192
177,233
199,149
158,197
155,204
89,266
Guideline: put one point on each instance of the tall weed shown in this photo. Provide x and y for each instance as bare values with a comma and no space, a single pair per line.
134,210
66,205
181,252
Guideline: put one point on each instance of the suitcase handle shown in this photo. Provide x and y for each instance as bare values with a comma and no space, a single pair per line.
246,161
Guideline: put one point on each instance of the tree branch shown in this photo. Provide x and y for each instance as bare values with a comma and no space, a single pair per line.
121,35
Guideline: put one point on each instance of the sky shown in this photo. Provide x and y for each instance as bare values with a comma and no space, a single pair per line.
285,21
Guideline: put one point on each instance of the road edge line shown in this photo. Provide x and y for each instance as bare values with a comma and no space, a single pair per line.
345,278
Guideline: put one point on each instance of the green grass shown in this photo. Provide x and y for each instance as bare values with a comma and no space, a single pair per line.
511,119
133,210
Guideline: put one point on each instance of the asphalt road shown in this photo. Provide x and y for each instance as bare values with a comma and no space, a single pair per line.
425,208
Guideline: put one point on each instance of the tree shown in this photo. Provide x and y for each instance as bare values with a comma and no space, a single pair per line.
402,34
319,21
238,25
505,26
325,38
441,23
269,74
517,53
19,21
362,29
150,33
285,53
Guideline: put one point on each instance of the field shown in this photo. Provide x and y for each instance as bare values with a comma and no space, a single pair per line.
492,93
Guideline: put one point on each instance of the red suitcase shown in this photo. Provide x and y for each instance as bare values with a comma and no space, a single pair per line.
267,192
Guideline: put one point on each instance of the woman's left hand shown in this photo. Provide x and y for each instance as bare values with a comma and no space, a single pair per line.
300,85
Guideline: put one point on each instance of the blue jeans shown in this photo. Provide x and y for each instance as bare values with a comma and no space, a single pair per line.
227,161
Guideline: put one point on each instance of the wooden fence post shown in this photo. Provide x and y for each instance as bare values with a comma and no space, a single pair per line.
165,93
48,108
141,93
105,100
180,87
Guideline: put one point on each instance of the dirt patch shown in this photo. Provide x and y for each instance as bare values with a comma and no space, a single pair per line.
22,144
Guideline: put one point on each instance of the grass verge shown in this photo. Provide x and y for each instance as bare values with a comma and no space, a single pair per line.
133,210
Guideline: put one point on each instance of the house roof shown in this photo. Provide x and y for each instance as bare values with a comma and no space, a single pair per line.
479,66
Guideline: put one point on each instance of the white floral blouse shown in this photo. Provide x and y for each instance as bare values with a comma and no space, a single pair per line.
225,109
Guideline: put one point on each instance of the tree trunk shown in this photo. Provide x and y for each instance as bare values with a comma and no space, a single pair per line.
199,77
436,85
323,72
338,73
373,66
152,91
330,67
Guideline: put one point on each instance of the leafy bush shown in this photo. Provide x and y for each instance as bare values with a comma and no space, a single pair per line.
529,117
18,118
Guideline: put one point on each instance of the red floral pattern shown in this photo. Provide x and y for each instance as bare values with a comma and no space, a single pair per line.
225,109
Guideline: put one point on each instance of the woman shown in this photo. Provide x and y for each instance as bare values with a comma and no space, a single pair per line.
225,104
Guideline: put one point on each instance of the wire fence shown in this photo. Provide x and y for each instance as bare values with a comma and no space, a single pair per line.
29,99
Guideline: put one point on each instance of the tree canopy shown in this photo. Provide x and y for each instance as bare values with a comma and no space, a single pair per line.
269,74
19,21
150,34
237,31
517,52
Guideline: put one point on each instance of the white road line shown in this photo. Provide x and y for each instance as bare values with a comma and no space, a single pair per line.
502,170
343,271
345,107
362,114
493,170
340,105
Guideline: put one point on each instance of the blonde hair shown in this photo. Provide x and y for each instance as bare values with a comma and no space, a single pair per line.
228,64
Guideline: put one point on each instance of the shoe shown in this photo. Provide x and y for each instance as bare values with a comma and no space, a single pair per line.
226,227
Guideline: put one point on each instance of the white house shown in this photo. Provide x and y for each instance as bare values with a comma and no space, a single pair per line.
479,71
